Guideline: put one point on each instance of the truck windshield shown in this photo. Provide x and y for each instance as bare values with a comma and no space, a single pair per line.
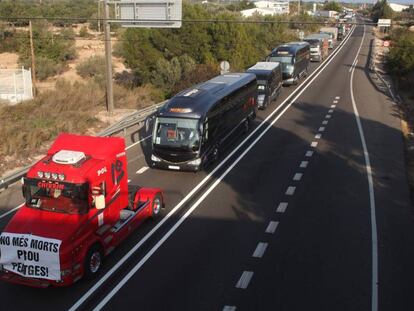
57,197
179,133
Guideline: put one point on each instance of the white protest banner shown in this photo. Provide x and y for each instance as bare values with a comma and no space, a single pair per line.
30,255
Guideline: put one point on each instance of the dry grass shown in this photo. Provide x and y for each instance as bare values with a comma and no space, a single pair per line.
27,129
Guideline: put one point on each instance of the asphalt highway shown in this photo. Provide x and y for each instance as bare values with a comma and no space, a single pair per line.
308,211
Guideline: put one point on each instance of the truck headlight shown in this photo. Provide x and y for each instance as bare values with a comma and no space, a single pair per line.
155,159
195,162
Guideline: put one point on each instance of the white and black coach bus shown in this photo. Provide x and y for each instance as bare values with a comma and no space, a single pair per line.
294,57
193,126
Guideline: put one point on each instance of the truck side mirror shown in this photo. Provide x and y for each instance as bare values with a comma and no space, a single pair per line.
100,202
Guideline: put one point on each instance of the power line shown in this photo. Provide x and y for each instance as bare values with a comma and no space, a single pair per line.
213,21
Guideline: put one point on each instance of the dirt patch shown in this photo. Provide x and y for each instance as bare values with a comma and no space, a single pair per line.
86,48
9,61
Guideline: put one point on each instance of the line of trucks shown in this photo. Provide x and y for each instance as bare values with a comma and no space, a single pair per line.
78,203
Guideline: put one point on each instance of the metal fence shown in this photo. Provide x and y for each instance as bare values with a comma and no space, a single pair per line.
15,85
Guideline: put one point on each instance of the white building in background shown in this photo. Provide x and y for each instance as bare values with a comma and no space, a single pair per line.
397,7
268,8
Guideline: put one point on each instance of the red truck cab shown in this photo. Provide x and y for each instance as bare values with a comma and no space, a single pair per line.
77,209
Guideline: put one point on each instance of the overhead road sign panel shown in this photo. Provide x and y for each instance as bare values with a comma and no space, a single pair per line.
148,14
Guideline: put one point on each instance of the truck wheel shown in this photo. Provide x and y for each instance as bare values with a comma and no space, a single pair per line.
156,206
93,261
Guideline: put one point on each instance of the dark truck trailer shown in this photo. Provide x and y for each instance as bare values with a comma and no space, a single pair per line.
294,57
269,82
192,127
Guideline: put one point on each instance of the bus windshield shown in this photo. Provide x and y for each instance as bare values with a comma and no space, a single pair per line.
179,133
282,59
56,196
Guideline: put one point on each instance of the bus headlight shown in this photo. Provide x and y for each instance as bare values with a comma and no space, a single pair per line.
195,162
154,158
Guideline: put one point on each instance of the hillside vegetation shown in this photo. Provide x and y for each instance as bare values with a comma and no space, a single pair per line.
160,63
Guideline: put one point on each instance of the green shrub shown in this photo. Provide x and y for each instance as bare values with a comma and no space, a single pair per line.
95,68
47,68
83,32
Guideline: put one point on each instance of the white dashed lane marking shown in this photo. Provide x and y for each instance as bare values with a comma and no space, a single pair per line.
325,122
244,279
297,176
229,308
318,136
271,227
142,170
282,207
309,153
337,97
321,129
290,190
333,106
303,164
314,144
260,250
328,116
330,110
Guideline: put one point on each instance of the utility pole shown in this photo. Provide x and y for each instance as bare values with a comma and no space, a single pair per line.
298,7
33,58
108,56
99,16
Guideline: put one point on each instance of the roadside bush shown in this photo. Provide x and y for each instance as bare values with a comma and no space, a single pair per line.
198,74
137,98
127,79
47,68
401,57
56,47
95,68
151,52
83,32
9,42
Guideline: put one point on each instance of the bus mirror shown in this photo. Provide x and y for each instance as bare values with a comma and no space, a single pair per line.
100,202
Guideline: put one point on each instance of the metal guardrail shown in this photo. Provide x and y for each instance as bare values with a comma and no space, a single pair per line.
373,67
122,125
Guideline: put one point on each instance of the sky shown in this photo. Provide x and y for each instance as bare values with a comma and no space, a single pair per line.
407,2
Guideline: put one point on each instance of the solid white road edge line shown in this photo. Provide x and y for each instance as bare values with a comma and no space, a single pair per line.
98,284
374,235
139,141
